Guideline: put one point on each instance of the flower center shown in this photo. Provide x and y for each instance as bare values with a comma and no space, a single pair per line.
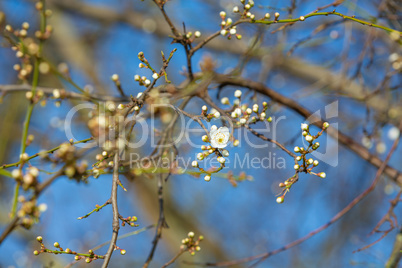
220,138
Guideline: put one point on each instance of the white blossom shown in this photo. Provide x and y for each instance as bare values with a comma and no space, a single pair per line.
220,137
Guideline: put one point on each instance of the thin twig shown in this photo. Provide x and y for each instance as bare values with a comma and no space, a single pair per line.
115,223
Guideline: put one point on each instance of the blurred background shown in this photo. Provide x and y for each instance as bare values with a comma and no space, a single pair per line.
322,61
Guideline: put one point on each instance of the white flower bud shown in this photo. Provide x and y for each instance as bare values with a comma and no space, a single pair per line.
155,76
280,200
139,95
225,100
315,163
249,111
221,160
56,93
267,15
255,108
296,167
200,156
225,153
243,121
194,164
204,108
120,106
16,173
236,143
147,82
224,32
298,158
310,161
302,18
197,34
263,115
236,9
207,178
304,127
309,138
217,114
205,138
325,125
233,115
24,157
137,77
34,171
238,93
232,31
222,14
296,149
229,21
115,77
322,175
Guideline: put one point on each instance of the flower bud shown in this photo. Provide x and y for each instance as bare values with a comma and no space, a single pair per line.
280,200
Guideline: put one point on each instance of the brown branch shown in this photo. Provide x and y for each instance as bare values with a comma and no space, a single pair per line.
259,135
161,223
115,223
174,258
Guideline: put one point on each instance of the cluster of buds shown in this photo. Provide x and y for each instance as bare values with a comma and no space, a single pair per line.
307,164
189,35
227,27
130,221
218,138
396,61
303,163
247,5
245,114
28,180
67,154
29,211
191,244
143,81
246,14
88,257
209,115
